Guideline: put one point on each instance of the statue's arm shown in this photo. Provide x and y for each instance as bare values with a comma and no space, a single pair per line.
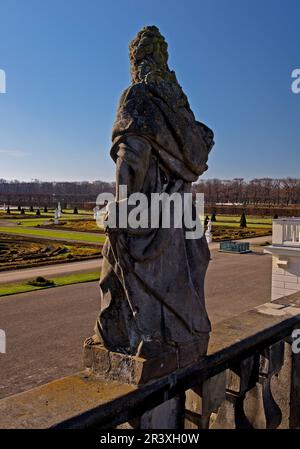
132,164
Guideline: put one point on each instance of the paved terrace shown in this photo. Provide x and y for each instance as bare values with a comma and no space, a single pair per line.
45,329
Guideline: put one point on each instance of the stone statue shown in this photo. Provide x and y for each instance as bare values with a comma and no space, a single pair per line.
208,233
56,216
152,281
59,213
96,211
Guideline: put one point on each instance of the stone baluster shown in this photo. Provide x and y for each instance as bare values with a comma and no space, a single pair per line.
261,409
293,405
241,377
295,393
204,400
168,415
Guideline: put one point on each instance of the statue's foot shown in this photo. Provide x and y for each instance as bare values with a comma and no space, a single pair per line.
94,340
151,349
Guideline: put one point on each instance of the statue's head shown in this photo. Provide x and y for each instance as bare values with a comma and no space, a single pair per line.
148,53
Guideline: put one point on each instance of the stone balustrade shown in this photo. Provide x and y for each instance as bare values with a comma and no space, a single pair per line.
286,231
249,379
285,250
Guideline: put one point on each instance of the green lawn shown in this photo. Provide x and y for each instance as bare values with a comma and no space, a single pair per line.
236,224
34,221
250,218
23,287
46,233
234,221
29,222
67,214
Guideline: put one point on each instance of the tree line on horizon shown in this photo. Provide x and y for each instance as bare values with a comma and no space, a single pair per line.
39,193
258,191
61,187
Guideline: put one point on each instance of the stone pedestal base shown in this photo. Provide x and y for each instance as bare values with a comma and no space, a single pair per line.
112,366
138,370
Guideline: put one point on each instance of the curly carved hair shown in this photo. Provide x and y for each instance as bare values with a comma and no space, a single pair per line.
148,53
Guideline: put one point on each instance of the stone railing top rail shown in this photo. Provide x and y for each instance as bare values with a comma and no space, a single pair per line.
80,401
286,220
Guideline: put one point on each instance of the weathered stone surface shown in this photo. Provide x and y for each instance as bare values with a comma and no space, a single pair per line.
294,417
203,401
125,368
192,352
85,401
152,317
243,376
136,370
169,415
152,281
49,404
281,388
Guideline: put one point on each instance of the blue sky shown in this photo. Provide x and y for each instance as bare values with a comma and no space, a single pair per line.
66,64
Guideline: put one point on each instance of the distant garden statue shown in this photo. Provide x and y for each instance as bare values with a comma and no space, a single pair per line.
59,210
56,217
152,280
208,233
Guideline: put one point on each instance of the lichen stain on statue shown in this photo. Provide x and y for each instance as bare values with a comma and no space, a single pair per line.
152,281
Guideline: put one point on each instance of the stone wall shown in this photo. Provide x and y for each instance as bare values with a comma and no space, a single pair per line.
285,278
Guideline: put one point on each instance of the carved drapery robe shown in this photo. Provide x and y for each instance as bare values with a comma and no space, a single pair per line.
152,281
